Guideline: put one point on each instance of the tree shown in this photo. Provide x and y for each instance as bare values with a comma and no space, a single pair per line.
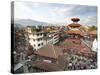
92,28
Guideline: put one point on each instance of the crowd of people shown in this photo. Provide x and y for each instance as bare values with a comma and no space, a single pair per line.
76,62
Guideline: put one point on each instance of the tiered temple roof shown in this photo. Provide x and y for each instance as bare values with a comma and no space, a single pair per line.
75,25
74,32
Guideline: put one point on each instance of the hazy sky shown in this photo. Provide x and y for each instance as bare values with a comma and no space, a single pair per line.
55,13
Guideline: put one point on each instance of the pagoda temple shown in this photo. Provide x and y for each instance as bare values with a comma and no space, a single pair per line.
73,29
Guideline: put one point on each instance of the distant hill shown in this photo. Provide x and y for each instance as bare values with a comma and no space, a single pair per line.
18,25
29,22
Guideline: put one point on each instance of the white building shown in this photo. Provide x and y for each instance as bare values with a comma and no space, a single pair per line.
95,45
35,37
52,38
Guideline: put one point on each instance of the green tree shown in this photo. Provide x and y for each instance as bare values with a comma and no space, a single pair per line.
92,28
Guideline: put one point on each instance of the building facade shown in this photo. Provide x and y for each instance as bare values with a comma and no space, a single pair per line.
35,36
52,38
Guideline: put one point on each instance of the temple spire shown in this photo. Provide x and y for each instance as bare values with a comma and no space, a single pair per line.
75,20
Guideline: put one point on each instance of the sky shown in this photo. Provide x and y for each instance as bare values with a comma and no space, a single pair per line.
55,13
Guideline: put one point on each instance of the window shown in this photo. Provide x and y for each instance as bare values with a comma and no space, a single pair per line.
41,43
41,38
41,34
37,34
38,44
33,39
38,39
